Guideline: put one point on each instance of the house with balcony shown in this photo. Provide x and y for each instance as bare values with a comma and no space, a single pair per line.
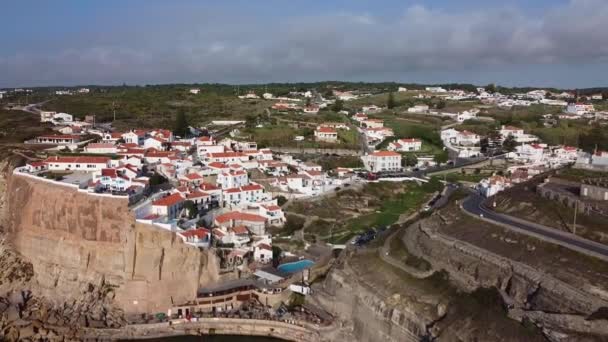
169,206
326,134
405,145
382,161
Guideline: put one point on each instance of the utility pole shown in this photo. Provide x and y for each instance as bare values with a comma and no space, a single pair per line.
114,110
575,211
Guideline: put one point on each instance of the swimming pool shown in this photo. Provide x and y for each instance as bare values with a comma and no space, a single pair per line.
295,267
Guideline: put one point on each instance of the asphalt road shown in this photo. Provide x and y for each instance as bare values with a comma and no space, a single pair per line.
473,204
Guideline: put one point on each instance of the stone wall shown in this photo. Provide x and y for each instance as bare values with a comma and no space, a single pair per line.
211,326
74,239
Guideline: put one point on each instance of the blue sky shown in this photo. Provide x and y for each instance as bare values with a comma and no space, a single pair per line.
543,43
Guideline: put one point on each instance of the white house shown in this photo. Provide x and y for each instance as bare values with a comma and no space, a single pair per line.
46,116
454,137
359,117
225,157
58,139
466,115
232,179
493,185
255,223
373,123
377,134
402,89
517,134
335,125
405,145
312,109
580,108
382,161
195,91
262,253
371,109
112,179
418,109
84,163
101,148
436,90
532,153
169,206
199,237
274,215
566,153
134,137
155,143
326,134
59,118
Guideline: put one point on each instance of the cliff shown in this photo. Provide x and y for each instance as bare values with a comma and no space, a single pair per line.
75,240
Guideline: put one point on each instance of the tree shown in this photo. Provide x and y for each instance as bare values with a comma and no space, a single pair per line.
441,158
338,105
390,102
441,104
281,200
251,121
191,208
181,125
157,179
276,255
491,88
410,160
509,144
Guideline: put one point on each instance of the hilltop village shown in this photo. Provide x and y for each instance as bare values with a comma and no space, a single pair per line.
277,195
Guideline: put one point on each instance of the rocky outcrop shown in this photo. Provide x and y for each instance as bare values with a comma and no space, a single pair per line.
559,308
366,314
74,239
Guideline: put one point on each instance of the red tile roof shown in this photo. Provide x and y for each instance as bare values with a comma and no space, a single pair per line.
238,216
193,176
218,165
226,155
200,233
60,136
77,160
208,187
109,173
240,230
265,246
252,187
101,145
271,207
327,130
197,194
409,140
385,154
169,201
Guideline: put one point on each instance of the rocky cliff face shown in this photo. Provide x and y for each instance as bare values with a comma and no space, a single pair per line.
531,294
74,240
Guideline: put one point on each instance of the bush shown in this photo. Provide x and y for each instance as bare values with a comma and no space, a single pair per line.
281,200
293,224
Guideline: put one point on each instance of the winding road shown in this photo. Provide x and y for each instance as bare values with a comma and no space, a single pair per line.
474,205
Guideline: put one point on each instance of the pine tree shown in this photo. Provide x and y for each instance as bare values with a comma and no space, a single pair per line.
181,125
390,103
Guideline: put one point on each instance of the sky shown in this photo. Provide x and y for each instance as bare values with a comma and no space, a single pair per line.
558,43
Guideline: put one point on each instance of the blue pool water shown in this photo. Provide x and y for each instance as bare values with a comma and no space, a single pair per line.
297,266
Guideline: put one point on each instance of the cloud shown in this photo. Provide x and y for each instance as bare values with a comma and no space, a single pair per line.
328,46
